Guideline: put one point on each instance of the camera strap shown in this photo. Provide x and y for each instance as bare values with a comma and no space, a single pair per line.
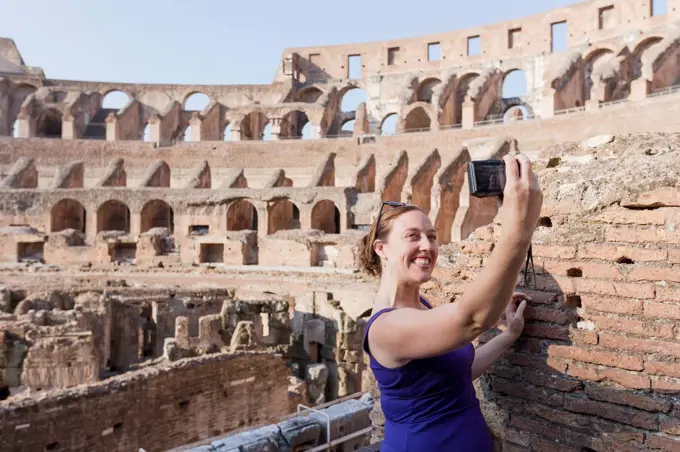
529,261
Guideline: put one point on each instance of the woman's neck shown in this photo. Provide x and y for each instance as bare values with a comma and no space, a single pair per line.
391,294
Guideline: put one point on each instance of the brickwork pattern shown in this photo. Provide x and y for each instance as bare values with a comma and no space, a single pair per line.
597,365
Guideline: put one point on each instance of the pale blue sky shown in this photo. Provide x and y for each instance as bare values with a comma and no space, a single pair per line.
219,42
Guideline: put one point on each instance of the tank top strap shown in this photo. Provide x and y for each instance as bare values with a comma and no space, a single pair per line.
368,325
425,302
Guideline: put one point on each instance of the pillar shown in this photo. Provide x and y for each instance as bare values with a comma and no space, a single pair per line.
468,114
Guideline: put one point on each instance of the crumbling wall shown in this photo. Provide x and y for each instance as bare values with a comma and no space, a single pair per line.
595,368
254,387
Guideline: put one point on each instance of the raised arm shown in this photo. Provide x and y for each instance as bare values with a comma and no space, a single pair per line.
404,334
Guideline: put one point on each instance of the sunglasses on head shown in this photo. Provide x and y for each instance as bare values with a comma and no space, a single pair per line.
386,203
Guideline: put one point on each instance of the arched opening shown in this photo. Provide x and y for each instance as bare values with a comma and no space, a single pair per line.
49,124
267,132
326,217
516,113
589,64
253,126
461,92
146,134
514,84
195,102
640,49
114,101
352,97
113,216
307,131
17,97
15,129
309,95
283,215
293,123
417,120
67,214
425,89
227,132
157,214
242,216
347,129
389,125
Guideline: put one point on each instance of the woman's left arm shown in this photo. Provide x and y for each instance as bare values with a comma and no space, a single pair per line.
487,354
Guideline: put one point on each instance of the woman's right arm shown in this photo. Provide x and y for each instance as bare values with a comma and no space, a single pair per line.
405,334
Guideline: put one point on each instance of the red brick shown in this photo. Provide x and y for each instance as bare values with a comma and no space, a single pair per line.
552,381
632,380
540,296
529,345
666,384
609,443
536,362
669,369
583,337
630,416
548,430
654,274
668,294
561,252
584,371
637,345
609,304
626,397
509,447
627,216
663,442
669,424
546,331
541,445
547,314
626,290
674,256
662,196
597,357
614,252
624,325
589,269
555,283
524,391
662,310
557,364
632,234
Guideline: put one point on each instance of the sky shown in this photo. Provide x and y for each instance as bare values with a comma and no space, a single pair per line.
220,41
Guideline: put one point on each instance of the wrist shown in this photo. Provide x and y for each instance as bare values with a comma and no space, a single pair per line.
510,336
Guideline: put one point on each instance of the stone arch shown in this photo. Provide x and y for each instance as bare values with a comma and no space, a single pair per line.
67,214
283,214
462,88
388,126
113,215
157,214
17,97
49,124
424,91
589,63
309,95
195,101
293,123
253,125
241,216
351,97
638,51
514,84
114,100
417,120
226,133
326,217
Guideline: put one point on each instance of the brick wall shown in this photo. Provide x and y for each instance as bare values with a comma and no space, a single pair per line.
155,409
596,368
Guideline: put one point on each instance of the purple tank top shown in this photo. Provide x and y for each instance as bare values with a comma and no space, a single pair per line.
430,404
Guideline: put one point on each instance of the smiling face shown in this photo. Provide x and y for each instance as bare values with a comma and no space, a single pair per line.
411,248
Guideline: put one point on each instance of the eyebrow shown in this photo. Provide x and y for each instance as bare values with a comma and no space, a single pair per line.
417,229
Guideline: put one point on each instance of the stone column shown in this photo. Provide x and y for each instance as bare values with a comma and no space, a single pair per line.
68,127
639,89
196,125
468,114
276,129
111,127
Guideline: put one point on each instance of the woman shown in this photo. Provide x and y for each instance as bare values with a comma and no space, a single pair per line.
423,358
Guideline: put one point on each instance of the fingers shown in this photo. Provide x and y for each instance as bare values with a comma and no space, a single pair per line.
511,169
519,296
520,309
524,168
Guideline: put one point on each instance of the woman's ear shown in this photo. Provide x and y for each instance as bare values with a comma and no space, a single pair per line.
379,248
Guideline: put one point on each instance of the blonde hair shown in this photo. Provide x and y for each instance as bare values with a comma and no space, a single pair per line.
369,259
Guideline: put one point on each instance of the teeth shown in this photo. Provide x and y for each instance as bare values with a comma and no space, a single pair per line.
422,261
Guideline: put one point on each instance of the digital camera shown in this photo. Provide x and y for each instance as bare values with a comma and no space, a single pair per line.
486,178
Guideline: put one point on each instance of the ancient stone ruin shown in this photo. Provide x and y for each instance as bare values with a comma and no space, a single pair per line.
183,275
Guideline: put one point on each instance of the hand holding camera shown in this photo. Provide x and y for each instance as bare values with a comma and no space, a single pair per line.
515,183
